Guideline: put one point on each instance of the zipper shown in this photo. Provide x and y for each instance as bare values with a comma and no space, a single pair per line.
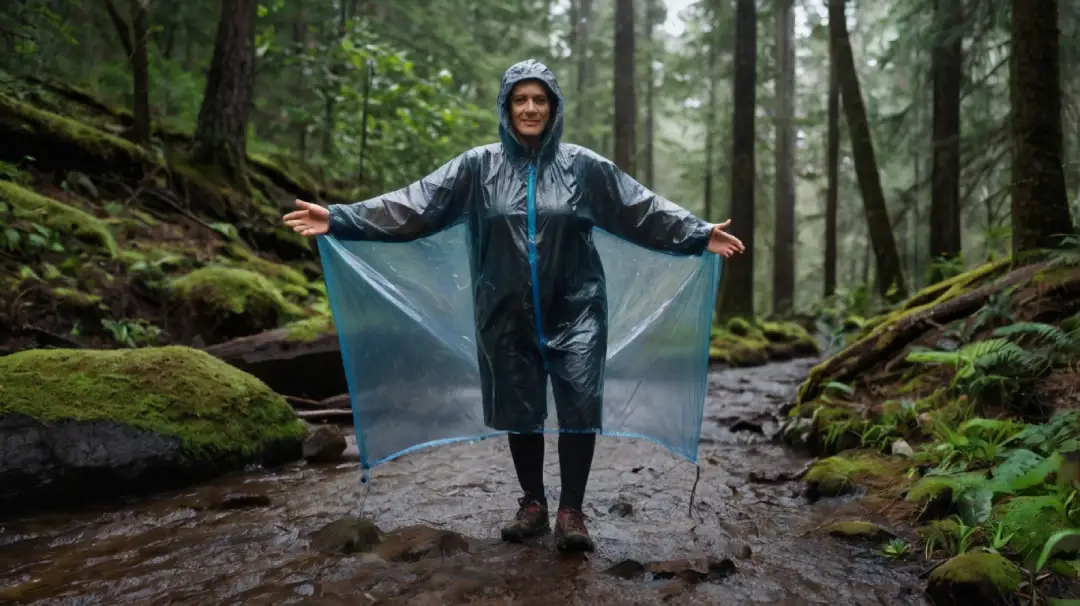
531,203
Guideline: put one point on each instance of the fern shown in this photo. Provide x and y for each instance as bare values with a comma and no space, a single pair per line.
1039,333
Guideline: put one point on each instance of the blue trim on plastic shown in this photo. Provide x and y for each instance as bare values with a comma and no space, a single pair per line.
531,205
329,278
687,456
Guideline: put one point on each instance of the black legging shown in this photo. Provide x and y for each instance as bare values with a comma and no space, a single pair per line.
575,461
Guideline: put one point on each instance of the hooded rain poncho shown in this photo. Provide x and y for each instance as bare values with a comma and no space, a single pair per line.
498,282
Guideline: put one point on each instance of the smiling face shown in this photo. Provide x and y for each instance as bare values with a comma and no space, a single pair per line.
530,108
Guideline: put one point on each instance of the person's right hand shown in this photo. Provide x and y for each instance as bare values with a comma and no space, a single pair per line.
310,220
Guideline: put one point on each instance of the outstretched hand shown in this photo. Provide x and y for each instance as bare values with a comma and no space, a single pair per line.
310,220
723,243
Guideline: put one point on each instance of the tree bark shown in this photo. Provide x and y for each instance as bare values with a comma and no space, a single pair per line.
890,277
832,163
623,89
653,18
737,294
584,73
784,198
221,133
1040,209
140,72
715,12
947,69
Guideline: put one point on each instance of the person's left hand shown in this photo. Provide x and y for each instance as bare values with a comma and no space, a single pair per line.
723,243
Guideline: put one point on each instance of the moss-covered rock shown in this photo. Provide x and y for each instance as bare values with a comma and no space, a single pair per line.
30,206
975,579
843,473
230,301
746,342
940,490
857,529
73,422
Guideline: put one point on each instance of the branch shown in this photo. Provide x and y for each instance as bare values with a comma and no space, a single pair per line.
122,28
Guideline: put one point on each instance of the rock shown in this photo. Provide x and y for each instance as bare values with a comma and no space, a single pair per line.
627,569
975,579
694,570
324,444
901,448
347,537
743,552
290,362
841,474
415,543
857,530
935,493
244,501
621,509
82,424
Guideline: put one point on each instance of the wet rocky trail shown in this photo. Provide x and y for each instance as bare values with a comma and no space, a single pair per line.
261,537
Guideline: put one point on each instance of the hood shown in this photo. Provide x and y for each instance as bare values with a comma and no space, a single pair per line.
549,141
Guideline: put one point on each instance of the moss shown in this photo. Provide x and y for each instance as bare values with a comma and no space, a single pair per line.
227,291
931,487
309,329
30,121
857,529
75,297
1031,521
792,334
31,206
740,327
975,578
279,271
841,474
936,528
214,409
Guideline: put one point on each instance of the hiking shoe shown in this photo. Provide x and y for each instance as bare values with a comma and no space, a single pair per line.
531,521
570,531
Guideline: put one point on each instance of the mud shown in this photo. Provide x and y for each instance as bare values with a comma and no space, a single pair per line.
245,539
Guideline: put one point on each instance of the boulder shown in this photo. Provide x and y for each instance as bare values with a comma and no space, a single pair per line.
82,424
975,579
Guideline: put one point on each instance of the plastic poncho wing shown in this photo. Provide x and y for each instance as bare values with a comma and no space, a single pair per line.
496,281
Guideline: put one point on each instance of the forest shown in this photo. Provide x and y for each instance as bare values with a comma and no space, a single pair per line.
905,175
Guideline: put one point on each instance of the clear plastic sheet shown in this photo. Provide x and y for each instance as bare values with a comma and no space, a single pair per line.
405,318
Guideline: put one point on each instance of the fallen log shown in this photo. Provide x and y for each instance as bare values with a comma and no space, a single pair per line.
299,403
303,368
339,415
892,336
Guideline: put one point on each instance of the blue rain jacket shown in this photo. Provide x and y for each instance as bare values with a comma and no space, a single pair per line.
538,289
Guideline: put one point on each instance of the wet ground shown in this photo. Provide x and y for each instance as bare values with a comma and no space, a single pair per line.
179,549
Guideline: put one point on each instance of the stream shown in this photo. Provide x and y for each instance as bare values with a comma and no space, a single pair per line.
181,548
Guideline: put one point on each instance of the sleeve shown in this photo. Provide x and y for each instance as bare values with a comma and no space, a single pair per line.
415,211
629,210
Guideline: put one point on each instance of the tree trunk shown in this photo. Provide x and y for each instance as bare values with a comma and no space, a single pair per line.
625,103
1040,210
947,68
584,73
890,277
653,16
832,164
140,71
711,109
299,35
221,134
784,201
737,294
133,39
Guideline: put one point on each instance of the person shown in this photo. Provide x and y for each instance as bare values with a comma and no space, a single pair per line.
529,203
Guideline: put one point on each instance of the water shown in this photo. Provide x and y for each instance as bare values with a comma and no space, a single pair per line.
182,548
